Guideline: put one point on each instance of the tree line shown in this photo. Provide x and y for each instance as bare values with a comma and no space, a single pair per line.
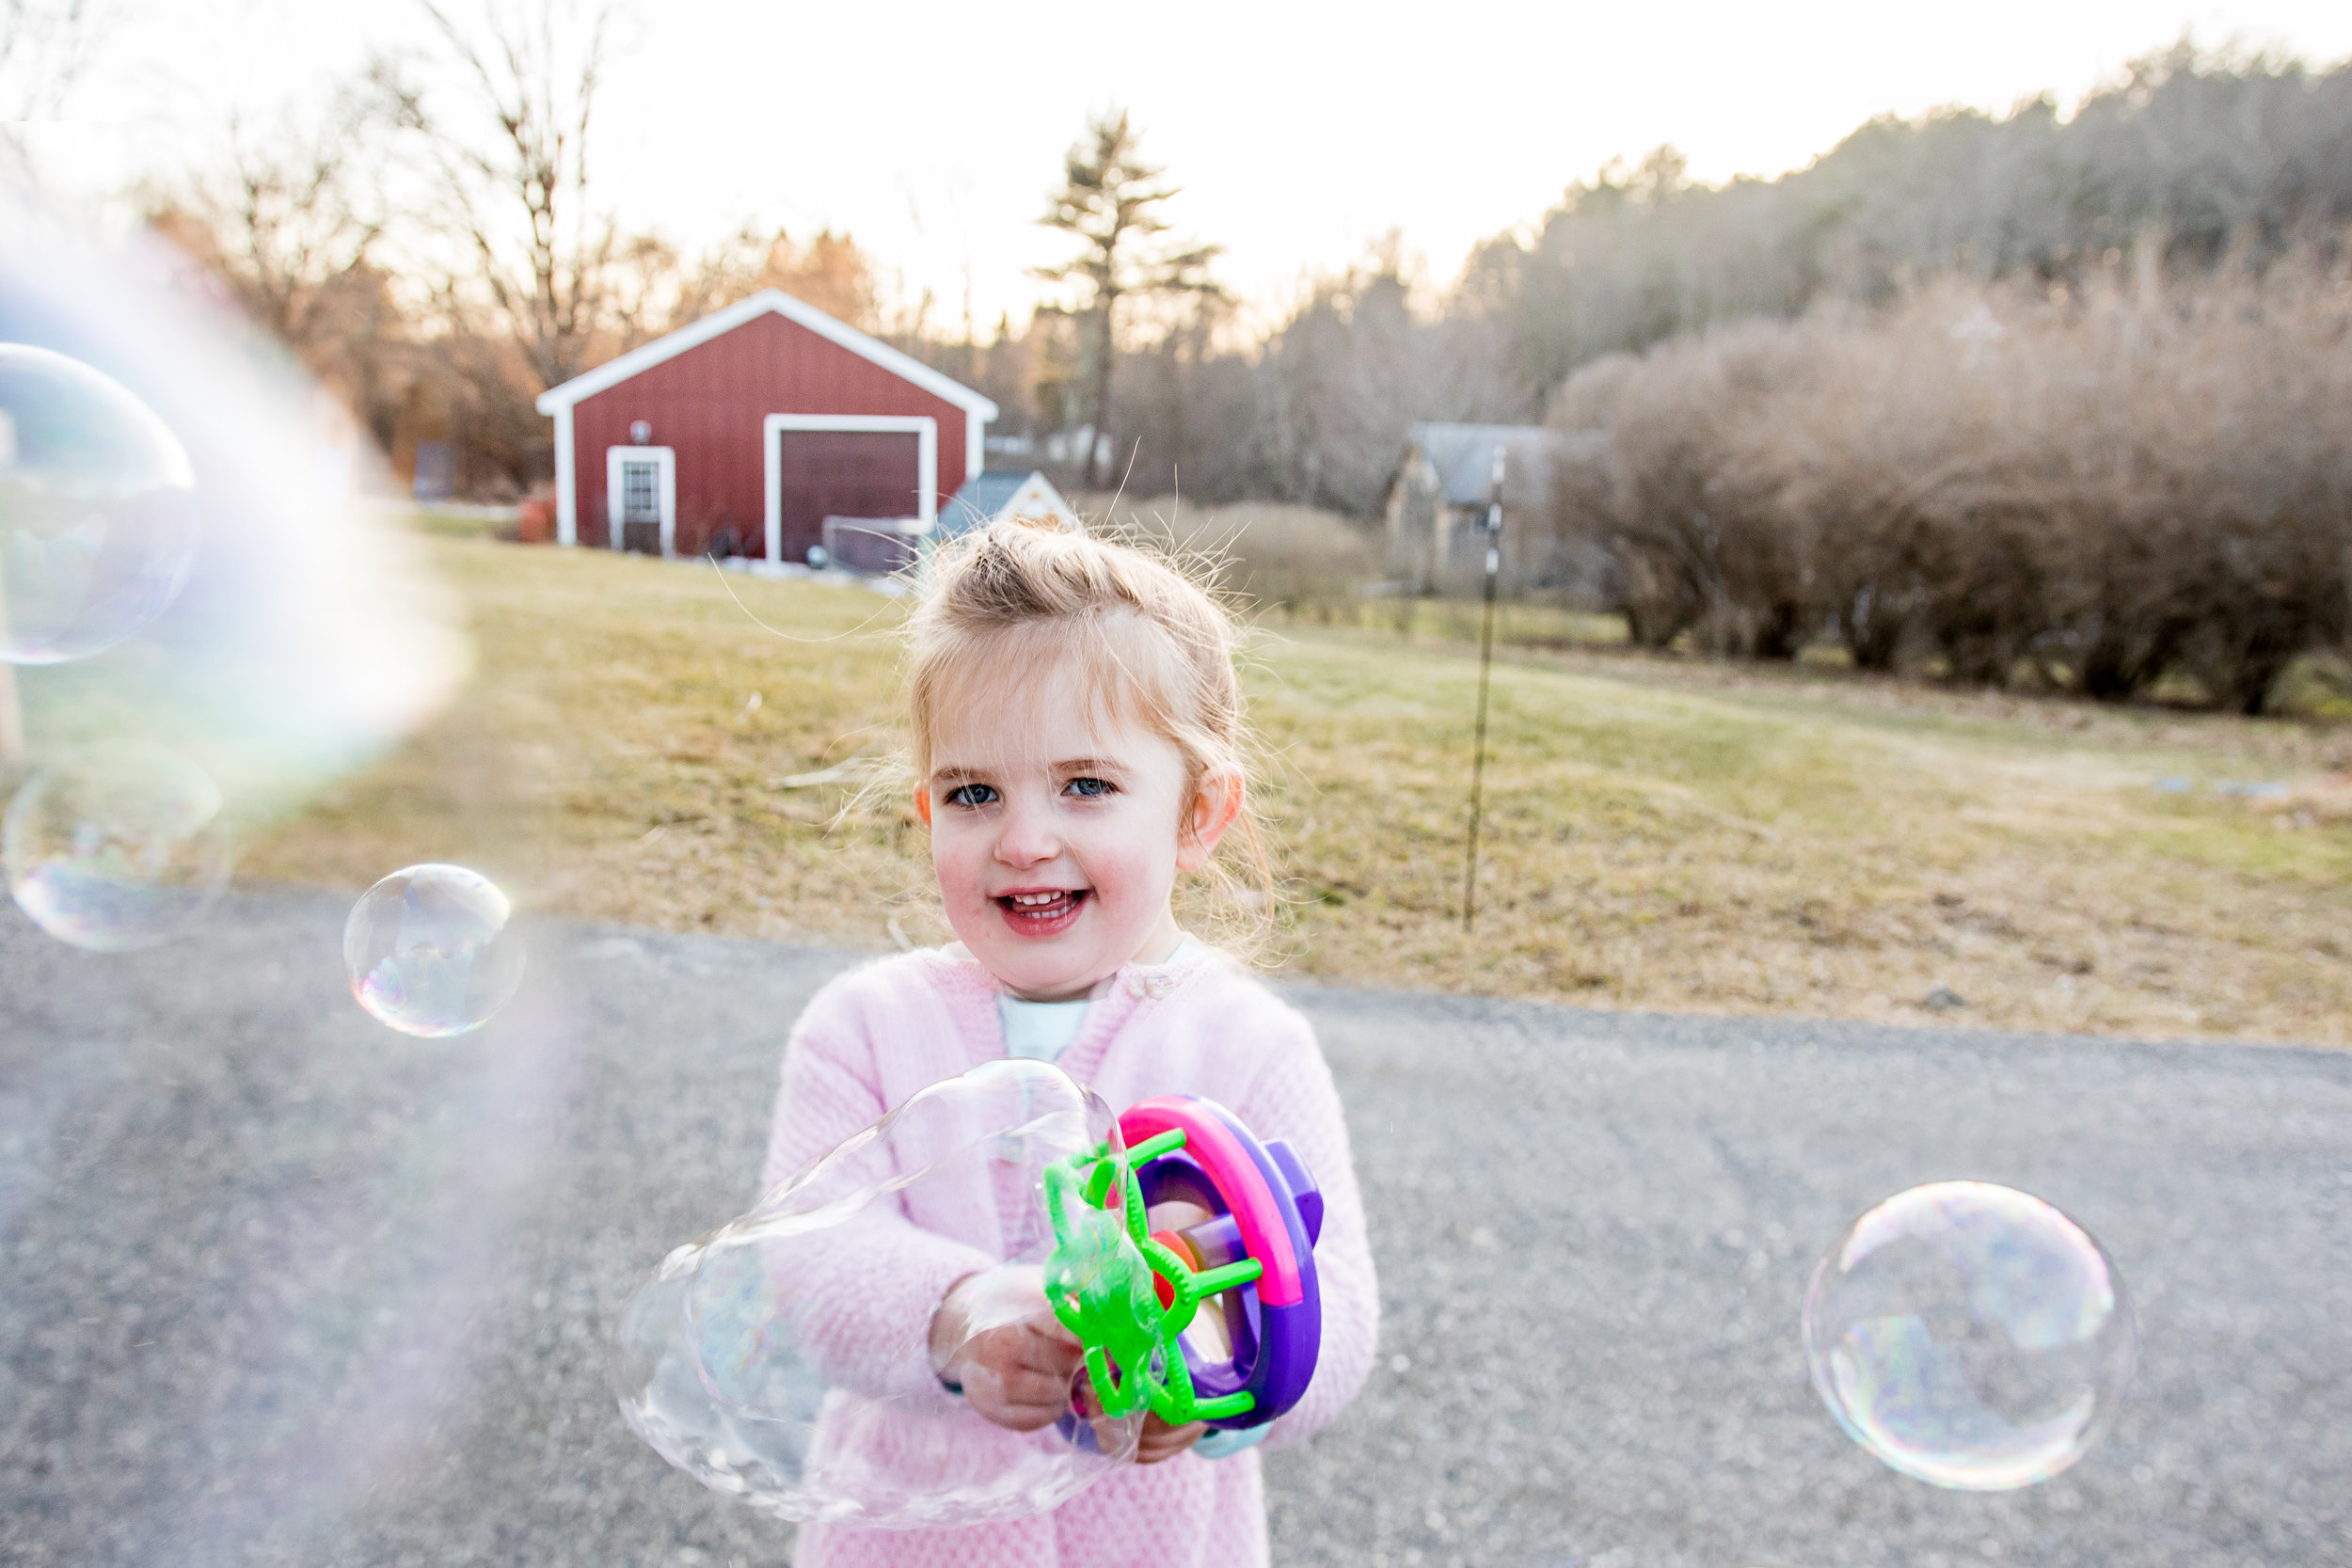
447,207
2192,165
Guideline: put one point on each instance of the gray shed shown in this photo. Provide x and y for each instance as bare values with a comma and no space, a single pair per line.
1441,488
1003,493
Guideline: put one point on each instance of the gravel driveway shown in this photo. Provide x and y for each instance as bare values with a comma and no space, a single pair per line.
284,1288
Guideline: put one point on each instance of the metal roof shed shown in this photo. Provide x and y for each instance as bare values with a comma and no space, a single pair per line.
1004,493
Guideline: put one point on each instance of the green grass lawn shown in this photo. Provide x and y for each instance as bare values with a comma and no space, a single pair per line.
1659,833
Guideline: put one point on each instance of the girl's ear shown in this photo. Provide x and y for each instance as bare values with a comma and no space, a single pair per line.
923,806
1215,806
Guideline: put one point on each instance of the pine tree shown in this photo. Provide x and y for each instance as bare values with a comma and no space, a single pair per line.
1111,198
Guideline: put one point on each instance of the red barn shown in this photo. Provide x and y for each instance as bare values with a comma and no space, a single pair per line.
745,430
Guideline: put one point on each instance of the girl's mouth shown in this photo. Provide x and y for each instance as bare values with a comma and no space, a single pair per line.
1045,911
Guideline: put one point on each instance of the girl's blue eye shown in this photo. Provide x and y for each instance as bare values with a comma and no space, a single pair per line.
971,795
1088,789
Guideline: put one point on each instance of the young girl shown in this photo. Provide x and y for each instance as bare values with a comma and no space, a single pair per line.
1077,744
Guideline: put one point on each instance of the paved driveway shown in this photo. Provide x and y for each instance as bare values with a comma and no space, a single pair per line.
283,1288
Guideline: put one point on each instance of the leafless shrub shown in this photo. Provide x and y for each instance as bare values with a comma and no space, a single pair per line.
2094,489
1262,554
1692,538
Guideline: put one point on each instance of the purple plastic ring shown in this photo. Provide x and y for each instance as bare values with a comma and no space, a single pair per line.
1267,1207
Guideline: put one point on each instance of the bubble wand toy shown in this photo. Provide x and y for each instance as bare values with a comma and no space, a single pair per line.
1218,1321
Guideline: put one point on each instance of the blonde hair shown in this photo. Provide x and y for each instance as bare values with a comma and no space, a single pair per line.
1020,596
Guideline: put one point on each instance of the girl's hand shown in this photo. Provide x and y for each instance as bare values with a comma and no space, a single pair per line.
1162,1441
997,1336
1156,1441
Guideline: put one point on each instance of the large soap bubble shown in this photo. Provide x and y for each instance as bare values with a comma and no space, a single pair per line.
98,524
771,1360
429,952
1970,1336
116,846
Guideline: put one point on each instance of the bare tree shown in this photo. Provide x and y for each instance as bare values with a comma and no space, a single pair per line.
46,48
830,272
1358,361
1110,199
518,172
290,226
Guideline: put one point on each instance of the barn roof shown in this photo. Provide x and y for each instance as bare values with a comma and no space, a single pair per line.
768,301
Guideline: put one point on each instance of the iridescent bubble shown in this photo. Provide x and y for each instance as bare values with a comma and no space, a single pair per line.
429,952
1970,1336
116,846
98,523
771,1360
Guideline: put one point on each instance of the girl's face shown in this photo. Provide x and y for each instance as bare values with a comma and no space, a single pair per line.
1057,832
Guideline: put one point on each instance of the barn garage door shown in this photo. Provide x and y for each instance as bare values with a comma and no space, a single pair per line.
844,473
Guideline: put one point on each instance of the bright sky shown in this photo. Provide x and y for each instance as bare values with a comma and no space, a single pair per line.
1299,132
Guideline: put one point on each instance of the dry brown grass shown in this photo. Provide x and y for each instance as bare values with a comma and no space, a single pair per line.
1664,835
1836,847
609,761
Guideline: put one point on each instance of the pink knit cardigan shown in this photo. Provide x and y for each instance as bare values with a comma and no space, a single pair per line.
1202,1025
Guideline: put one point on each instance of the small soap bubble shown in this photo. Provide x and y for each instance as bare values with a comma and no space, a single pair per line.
98,521
1970,1336
754,1360
429,952
116,846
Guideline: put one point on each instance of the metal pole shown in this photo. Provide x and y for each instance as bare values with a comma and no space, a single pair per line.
1492,529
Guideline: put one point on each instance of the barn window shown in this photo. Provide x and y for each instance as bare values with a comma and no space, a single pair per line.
640,492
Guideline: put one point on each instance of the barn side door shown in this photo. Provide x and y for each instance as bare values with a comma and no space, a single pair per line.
640,499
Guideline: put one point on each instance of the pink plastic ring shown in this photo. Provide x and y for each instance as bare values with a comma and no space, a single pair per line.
1238,1180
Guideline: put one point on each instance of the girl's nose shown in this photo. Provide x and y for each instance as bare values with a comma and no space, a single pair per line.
1026,836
